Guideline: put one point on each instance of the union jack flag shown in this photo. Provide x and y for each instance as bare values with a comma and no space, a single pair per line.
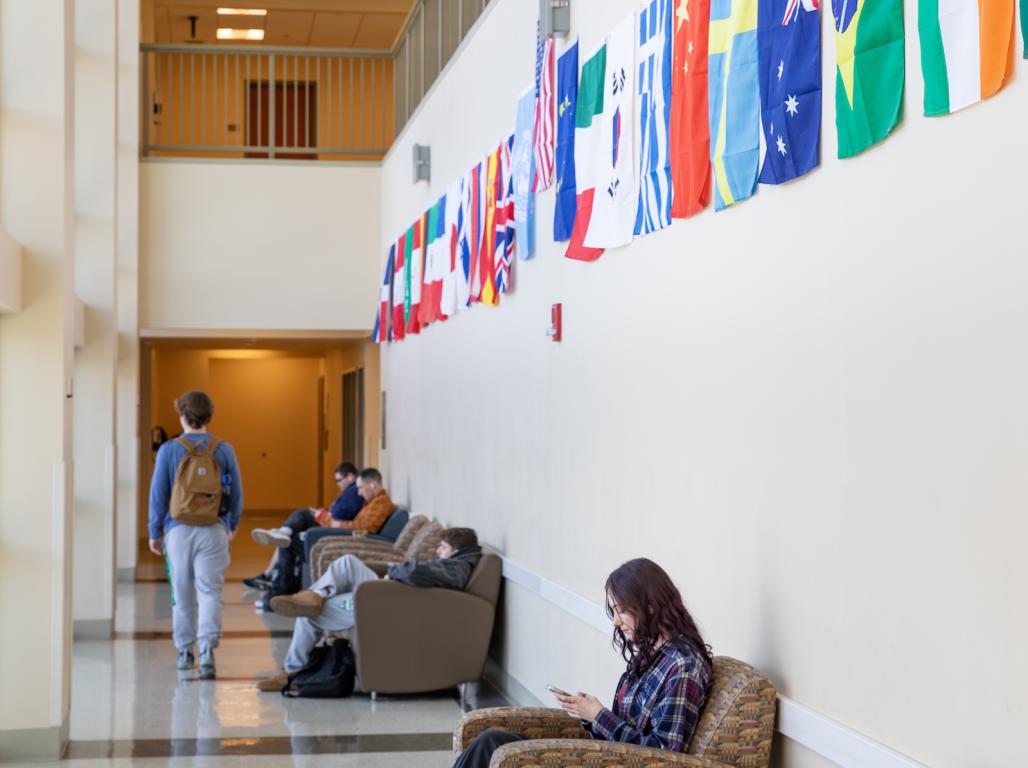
545,130
504,218
792,9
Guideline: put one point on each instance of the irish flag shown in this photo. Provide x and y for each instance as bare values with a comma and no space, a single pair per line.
965,47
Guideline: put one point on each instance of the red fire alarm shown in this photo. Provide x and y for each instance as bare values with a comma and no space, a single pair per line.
555,325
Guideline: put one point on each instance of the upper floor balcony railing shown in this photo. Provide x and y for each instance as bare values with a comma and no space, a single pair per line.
296,103
266,102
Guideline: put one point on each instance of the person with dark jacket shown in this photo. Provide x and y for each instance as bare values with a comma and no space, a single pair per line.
328,604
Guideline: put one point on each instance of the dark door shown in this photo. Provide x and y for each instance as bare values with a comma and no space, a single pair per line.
296,118
353,417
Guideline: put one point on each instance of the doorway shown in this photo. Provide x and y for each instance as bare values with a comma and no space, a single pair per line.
296,117
353,416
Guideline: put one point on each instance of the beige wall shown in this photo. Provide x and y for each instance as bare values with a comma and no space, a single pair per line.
278,246
808,408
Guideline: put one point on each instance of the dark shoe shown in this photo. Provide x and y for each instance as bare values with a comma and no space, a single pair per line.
207,664
260,581
186,659
306,603
275,683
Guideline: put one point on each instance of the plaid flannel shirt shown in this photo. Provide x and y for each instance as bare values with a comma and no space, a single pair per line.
660,708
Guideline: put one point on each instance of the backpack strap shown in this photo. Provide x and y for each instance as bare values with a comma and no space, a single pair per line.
210,446
188,444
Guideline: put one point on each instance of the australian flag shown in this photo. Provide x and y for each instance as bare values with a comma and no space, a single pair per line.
789,43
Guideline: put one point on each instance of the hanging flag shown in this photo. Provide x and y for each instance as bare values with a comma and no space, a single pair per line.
734,100
474,232
487,250
789,40
544,131
415,271
965,49
524,169
690,123
427,312
869,71
463,254
567,94
588,111
399,323
1024,27
505,238
451,235
654,209
385,298
617,191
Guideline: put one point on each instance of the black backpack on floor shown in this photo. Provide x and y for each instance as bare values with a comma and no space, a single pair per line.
330,673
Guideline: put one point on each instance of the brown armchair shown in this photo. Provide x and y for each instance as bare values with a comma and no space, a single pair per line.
413,639
734,731
420,546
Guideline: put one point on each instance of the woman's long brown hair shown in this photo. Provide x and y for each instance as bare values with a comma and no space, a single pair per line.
643,589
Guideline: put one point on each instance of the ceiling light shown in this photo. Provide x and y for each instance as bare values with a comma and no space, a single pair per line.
242,11
225,33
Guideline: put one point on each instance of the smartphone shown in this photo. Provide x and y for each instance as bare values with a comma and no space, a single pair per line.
558,691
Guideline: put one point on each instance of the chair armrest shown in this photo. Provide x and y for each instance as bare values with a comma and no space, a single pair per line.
576,752
413,639
534,722
327,550
380,538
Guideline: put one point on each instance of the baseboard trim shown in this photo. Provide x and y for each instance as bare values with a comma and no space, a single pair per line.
512,690
819,733
34,743
93,629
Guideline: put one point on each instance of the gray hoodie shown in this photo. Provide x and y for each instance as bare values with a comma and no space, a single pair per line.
452,572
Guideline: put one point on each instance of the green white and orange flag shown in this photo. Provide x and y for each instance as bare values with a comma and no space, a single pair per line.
869,72
965,51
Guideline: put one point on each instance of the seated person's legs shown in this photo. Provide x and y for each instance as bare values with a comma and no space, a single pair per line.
298,522
480,751
343,576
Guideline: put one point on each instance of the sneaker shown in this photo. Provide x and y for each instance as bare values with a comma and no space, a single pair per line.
275,683
306,603
260,581
207,664
271,537
186,659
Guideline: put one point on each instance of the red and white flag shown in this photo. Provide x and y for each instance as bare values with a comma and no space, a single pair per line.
399,290
545,130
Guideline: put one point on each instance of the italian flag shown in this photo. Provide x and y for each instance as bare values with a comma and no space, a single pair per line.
965,50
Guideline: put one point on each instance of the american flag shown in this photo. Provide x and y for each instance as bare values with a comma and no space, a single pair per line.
544,128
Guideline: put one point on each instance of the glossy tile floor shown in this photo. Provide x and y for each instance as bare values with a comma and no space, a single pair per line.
131,707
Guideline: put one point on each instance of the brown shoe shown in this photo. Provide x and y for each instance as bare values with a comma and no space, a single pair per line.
275,683
304,603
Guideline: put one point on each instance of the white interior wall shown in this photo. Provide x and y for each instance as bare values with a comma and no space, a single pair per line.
258,245
809,408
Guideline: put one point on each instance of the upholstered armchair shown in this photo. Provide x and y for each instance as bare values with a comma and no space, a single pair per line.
421,546
734,731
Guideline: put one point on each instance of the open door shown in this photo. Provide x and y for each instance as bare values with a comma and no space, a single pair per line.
353,417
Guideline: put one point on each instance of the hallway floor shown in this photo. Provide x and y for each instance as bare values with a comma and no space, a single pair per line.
130,706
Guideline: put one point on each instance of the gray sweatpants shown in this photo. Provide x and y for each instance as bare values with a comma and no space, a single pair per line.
338,585
197,558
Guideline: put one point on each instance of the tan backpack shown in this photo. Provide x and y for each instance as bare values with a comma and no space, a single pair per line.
196,493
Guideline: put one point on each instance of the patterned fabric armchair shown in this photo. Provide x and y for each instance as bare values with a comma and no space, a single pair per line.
420,546
734,731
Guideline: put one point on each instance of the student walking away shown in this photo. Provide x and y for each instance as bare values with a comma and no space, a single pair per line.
196,500
328,606
669,672
282,575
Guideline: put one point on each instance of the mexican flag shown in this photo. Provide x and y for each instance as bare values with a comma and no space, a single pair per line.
870,71
965,48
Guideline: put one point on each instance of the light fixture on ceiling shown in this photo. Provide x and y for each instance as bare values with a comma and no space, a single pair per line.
242,11
227,33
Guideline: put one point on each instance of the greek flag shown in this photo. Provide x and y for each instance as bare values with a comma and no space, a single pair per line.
654,211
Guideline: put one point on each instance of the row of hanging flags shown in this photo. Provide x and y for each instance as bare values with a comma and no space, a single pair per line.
700,86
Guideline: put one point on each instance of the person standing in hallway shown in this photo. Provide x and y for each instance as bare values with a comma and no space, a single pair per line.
195,508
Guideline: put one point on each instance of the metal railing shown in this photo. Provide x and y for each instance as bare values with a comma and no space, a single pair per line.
276,102
429,38
296,103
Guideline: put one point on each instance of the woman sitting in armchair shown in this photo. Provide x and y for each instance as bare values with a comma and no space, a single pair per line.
668,677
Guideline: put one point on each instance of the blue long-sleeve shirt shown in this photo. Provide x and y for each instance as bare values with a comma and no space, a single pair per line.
348,504
168,458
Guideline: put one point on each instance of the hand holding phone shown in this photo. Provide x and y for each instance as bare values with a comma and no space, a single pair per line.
559,692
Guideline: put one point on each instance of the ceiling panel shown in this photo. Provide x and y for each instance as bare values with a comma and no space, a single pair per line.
335,30
379,30
288,27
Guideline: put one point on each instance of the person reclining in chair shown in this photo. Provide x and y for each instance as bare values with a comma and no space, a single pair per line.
328,604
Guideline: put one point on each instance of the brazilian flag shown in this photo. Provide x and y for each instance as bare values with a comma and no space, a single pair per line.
869,73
